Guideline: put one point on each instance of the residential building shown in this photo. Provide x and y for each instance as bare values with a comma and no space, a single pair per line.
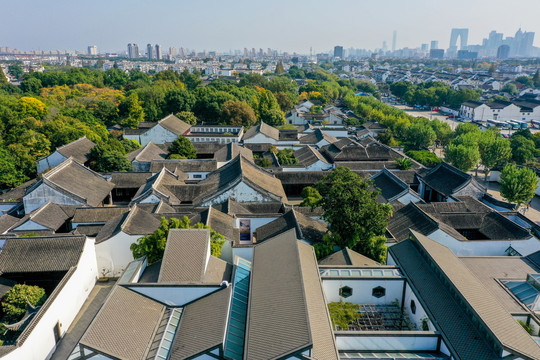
78,150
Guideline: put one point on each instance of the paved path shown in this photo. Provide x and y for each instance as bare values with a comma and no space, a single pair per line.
82,321
533,213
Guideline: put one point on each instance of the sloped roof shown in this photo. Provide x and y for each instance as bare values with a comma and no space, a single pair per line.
79,149
187,259
230,151
499,322
288,315
348,257
147,153
125,325
390,186
237,170
446,179
233,208
158,185
76,181
98,214
41,254
128,180
135,222
316,136
202,325
50,215
199,165
307,156
305,227
6,222
264,129
174,125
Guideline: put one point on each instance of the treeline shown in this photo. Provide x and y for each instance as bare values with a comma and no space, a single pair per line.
432,94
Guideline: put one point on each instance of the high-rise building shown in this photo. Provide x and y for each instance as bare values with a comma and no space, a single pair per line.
436,53
503,51
133,51
149,51
269,53
463,35
338,52
424,48
158,52
434,44
183,52
246,54
173,52
92,50
394,38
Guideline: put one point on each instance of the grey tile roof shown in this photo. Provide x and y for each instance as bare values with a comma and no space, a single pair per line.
305,227
237,170
450,318
308,156
77,181
287,311
390,186
147,153
202,325
234,208
41,254
49,215
230,151
187,259
202,165
316,136
98,214
446,179
500,323
125,325
79,149
135,222
6,222
16,194
129,180
489,269
348,257
160,185
264,129
174,125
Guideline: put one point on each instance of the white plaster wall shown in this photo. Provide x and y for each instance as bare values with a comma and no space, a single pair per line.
43,193
29,226
175,296
485,247
113,255
201,174
152,199
407,198
420,312
157,135
40,343
240,193
132,137
387,343
260,139
50,161
255,222
362,290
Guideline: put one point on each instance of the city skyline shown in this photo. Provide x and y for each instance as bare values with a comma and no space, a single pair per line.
222,27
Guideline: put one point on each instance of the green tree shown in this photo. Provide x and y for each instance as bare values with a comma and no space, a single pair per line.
16,71
510,88
113,161
420,135
443,132
183,147
286,157
311,197
462,156
130,111
351,208
518,185
464,128
279,68
153,245
31,85
10,175
238,113
424,157
523,149
494,152
187,116
285,101
536,79
15,303
404,163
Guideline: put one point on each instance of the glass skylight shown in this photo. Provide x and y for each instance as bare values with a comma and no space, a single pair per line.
528,291
360,273
168,335
391,355
234,341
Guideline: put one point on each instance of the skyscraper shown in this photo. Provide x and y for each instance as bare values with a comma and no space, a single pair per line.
173,52
338,52
394,38
158,52
133,51
92,50
149,51
463,35
434,44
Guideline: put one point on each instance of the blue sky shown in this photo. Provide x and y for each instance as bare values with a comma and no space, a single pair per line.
287,25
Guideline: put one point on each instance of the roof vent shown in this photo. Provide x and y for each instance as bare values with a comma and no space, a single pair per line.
225,284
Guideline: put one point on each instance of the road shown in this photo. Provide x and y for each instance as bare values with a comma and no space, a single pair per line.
431,115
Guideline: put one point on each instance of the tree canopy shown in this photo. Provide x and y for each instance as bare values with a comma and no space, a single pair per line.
518,184
183,148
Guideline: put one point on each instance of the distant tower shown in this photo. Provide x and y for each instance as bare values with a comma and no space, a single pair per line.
133,51
394,38
158,52
173,52
503,51
463,35
92,50
149,51
338,52
434,44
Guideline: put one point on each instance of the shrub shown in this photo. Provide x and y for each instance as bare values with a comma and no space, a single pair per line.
424,157
342,313
14,305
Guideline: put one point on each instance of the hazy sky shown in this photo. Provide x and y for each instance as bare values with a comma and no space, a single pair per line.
287,25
